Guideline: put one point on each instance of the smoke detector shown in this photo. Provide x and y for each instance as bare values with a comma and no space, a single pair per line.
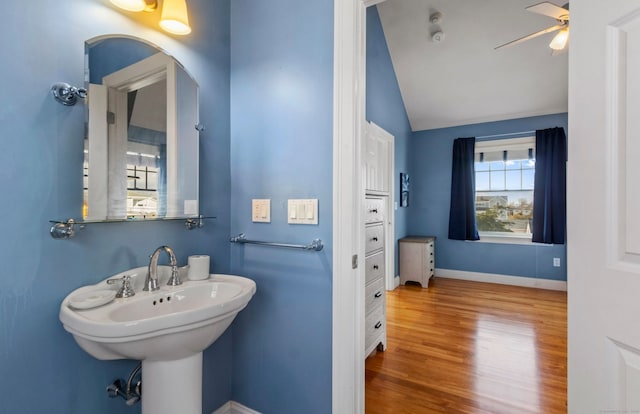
435,18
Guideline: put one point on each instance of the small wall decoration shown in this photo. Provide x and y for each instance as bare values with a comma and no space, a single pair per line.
404,190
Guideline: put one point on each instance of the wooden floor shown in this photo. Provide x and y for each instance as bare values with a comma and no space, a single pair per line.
469,347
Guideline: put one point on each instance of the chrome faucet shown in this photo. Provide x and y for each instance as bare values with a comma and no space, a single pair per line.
151,282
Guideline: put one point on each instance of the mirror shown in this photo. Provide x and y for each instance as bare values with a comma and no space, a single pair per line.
141,151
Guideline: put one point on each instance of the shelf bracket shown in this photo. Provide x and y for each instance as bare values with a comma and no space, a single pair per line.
194,223
63,230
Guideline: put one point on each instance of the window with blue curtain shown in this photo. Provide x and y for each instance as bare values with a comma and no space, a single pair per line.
549,185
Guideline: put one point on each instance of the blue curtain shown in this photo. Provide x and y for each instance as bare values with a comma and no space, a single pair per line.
462,215
550,185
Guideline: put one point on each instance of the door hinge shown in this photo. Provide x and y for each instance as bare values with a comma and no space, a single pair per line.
111,118
354,261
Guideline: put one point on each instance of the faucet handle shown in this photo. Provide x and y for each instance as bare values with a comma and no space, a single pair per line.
174,280
126,291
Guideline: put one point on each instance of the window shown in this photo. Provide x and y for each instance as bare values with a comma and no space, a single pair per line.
504,172
143,176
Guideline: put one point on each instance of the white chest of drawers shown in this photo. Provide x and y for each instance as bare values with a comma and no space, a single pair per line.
375,293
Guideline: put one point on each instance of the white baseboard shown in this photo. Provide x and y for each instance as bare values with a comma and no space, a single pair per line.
503,279
232,407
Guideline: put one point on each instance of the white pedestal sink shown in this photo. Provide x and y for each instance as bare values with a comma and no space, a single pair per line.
166,329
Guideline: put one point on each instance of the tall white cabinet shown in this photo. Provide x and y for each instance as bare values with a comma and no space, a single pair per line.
378,228
375,293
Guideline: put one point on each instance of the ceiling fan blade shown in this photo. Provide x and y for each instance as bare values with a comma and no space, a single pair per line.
533,35
550,9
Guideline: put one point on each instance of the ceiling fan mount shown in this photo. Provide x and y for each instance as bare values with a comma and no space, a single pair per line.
560,14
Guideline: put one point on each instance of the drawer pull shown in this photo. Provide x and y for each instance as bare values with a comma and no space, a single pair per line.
375,239
378,325
373,210
378,294
375,267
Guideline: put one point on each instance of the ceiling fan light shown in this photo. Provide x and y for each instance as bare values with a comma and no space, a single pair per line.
559,41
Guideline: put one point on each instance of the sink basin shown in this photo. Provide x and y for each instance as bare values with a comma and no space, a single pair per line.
170,323
166,329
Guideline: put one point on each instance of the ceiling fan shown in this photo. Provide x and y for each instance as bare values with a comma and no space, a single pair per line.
561,14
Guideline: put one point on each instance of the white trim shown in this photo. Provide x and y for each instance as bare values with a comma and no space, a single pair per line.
503,279
505,144
349,79
506,239
348,236
232,407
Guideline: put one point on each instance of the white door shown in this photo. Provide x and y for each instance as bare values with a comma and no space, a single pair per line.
603,188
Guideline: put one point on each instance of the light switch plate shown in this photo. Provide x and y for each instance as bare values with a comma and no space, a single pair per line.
302,211
261,210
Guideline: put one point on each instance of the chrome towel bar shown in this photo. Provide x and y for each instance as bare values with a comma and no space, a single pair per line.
315,245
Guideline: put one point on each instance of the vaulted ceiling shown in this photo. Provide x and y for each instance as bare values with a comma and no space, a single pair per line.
462,79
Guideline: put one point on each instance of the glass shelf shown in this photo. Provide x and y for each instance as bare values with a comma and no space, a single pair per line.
81,222
65,229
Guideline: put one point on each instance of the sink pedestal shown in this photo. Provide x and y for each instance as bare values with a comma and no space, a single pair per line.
172,386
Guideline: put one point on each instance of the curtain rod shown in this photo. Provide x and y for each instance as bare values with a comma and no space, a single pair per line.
506,135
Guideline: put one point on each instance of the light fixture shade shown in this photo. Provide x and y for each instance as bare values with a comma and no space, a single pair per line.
130,5
559,41
175,18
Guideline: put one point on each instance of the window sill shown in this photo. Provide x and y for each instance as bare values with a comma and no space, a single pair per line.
504,239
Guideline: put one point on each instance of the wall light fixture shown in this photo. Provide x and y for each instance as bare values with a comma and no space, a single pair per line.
136,5
173,19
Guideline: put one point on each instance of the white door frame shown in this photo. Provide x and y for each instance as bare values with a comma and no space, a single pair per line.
348,238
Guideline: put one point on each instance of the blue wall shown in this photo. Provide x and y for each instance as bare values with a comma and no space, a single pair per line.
430,163
386,109
281,148
43,369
